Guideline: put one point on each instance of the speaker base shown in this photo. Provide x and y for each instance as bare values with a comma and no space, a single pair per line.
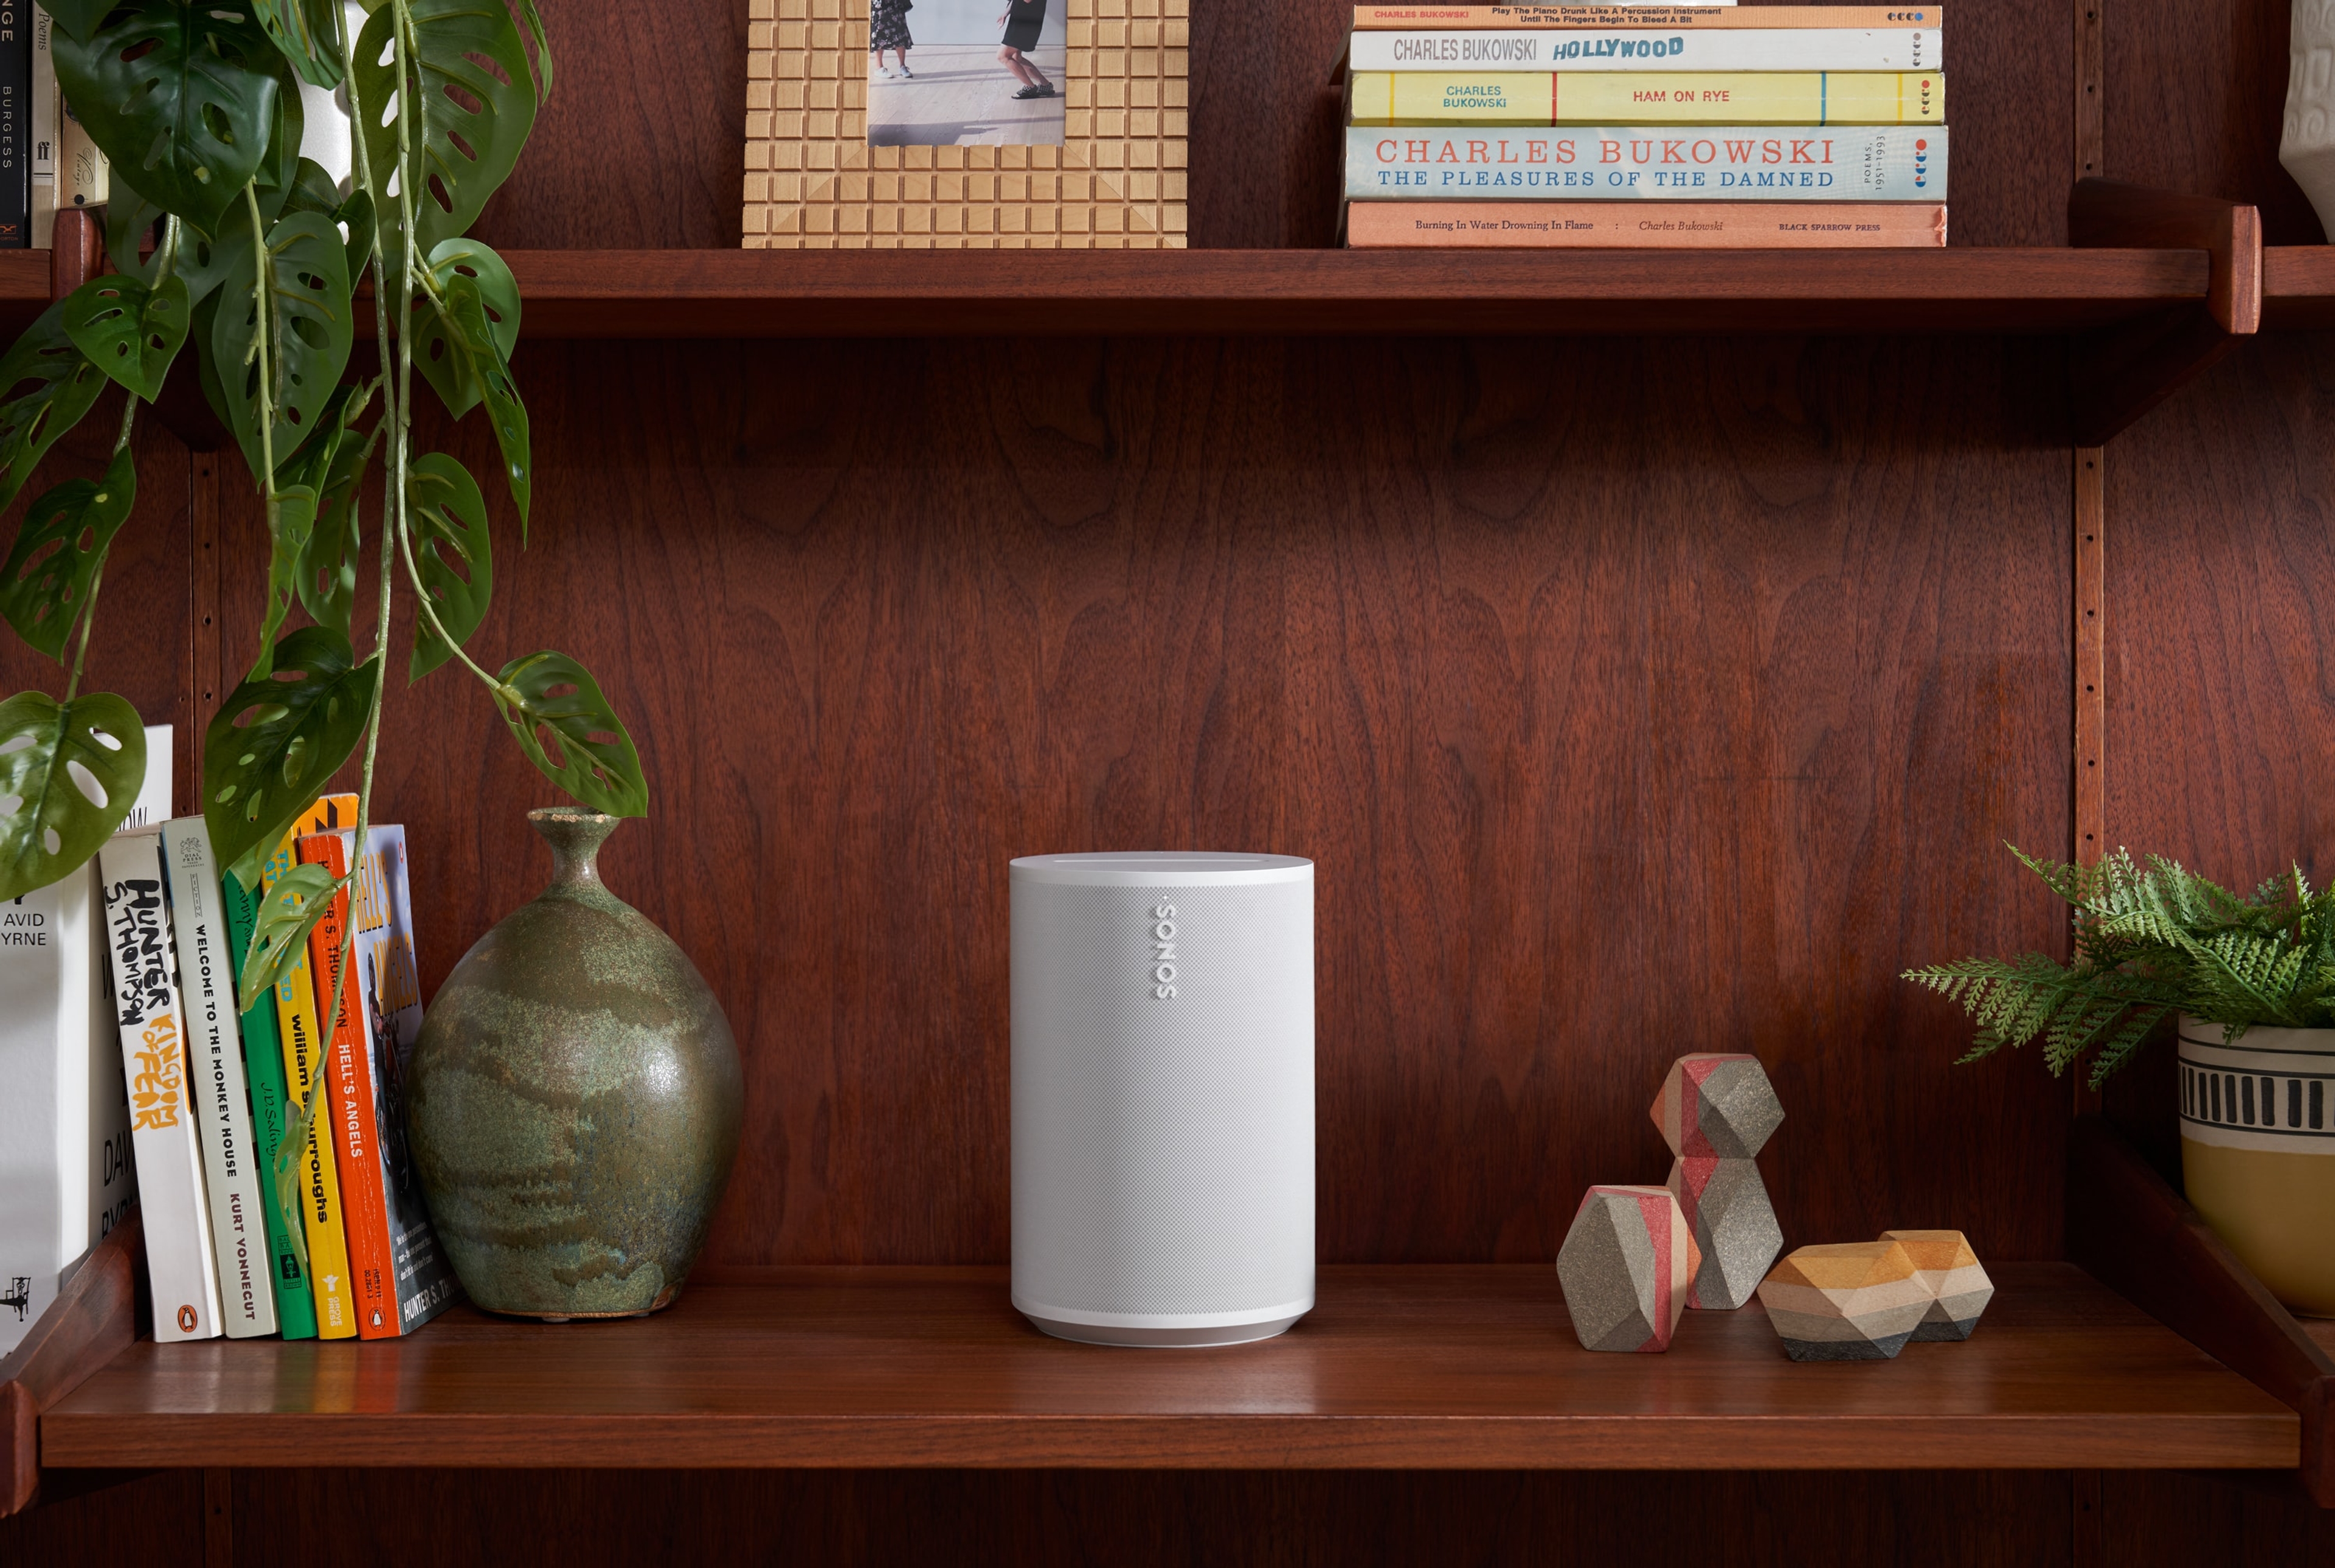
1165,1339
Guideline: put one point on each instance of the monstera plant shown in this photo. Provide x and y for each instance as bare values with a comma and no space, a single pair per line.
256,261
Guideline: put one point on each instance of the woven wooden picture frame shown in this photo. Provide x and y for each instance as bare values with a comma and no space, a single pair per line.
1117,182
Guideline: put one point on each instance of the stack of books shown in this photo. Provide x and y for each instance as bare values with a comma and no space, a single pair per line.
1645,126
47,161
141,1070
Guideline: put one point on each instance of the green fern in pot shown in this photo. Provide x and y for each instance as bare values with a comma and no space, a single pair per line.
2252,982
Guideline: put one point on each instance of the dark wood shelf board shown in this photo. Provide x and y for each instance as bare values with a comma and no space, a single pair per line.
759,293
1408,1368
2298,286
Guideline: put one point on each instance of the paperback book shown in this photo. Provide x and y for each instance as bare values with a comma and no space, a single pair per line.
234,1171
262,1069
296,1013
1632,98
1639,47
66,1174
1636,163
1680,226
180,1267
402,1278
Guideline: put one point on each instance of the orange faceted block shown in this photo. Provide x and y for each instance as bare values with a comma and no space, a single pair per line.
1959,1288
1626,1266
1849,1302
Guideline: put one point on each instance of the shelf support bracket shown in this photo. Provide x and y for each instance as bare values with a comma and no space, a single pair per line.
93,1320
2119,373
2129,1228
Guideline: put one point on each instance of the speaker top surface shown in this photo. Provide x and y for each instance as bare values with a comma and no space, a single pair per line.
1161,869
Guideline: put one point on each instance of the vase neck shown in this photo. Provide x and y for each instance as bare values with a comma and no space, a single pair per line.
575,837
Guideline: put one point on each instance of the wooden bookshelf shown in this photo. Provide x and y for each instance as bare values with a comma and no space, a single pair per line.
1454,1367
1635,694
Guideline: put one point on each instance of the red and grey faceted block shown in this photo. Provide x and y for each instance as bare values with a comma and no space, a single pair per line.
1716,1111
1718,1106
1626,1267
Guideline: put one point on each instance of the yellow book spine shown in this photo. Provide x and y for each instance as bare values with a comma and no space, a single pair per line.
1650,98
296,1015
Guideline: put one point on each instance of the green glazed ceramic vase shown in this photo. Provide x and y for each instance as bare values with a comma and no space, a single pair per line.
575,1100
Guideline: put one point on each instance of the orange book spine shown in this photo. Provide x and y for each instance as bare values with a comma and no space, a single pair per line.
1645,225
349,1073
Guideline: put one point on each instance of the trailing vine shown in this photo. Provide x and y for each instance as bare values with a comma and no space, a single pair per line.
258,258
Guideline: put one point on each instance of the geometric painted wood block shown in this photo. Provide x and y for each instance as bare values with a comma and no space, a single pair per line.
1718,1106
1716,1110
1626,1267
1848,1302
1948,1269
1725,1203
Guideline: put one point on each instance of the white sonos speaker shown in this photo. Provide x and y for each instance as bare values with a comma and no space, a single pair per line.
1163,1096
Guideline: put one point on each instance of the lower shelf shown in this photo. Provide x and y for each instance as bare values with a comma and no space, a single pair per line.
1396,1368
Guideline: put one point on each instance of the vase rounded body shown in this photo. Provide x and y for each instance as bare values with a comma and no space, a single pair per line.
575,1100
2306,143
2258,1152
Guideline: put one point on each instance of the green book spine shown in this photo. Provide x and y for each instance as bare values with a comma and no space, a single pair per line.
263,1067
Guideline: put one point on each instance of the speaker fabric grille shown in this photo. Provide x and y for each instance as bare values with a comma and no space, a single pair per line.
1163,1148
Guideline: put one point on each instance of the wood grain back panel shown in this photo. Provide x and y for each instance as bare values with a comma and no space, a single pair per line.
642,144
2221,710
2195,96
1633,698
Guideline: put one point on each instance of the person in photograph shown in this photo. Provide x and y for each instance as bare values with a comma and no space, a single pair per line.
887,28
1022,23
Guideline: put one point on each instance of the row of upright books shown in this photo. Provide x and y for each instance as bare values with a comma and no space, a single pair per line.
1593,126
47,161
132,1066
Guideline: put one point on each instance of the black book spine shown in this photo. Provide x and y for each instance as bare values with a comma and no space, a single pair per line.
16,124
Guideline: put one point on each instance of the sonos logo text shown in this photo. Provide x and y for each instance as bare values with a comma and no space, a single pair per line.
1163,952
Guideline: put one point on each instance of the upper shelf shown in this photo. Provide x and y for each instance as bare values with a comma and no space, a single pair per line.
1411,1368
1019,293
764,294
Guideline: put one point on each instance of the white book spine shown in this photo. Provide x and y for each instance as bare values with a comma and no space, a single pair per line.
1648,164
233,1168
1645,49
171,1188
44,134
64,1120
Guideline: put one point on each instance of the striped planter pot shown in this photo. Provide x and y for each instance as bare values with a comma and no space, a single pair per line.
2258,1152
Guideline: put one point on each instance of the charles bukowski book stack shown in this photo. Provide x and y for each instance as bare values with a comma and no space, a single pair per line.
1669,126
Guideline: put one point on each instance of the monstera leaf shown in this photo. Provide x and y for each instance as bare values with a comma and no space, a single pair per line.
306,288
129,331
477,98
294,904
77,19
445,348
465,361
279,167
290,521
182,97
454,554
312,190
277,739
130,220
542,50
307,32
69,774
566,727
64,537
47,384
328,566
